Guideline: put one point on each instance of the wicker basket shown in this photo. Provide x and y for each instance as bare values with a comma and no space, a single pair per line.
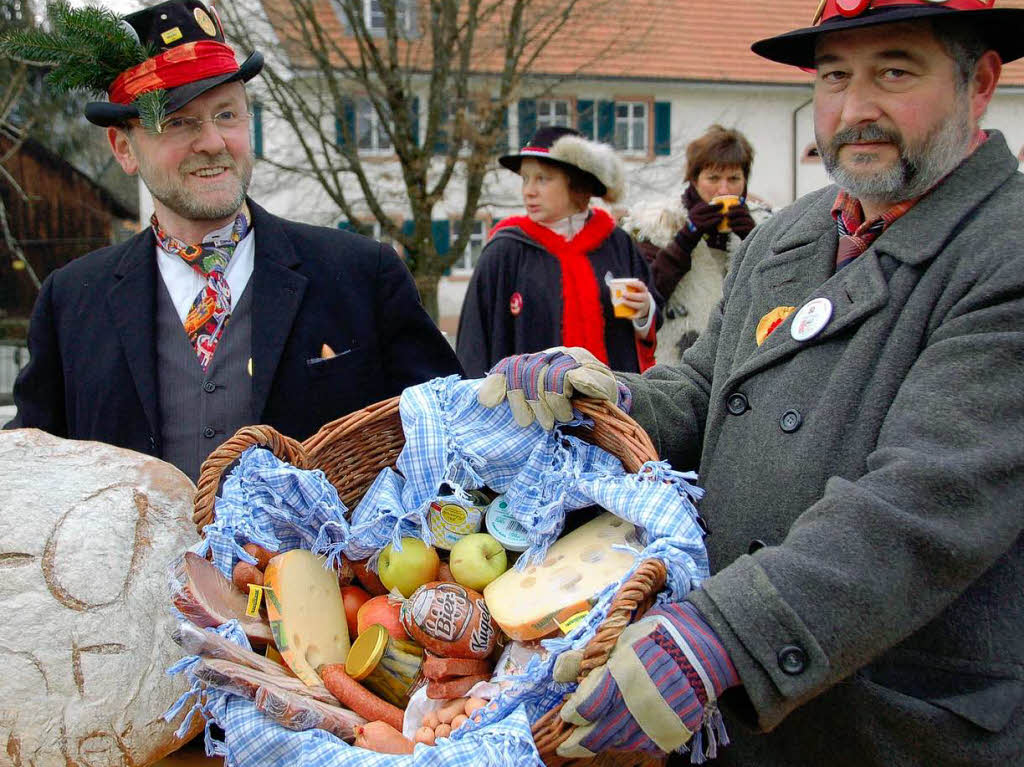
353,449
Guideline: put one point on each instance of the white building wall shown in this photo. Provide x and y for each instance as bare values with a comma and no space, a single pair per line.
778,121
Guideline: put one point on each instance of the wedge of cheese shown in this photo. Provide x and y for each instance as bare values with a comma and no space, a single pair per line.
307,615
532,603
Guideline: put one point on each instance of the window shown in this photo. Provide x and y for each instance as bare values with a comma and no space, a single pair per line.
631,126
553,112
469,257
256,130
371,135
376,17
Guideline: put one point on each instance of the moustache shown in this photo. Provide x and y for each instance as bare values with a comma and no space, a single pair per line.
865,133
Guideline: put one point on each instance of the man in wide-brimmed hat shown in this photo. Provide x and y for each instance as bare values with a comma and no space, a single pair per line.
219,314
856,407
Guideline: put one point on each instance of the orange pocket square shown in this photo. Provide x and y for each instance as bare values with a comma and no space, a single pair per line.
772,320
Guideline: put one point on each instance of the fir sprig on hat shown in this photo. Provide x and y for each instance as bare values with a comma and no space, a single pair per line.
88,48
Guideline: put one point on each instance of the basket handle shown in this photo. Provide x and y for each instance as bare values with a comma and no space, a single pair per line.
285,448
633,599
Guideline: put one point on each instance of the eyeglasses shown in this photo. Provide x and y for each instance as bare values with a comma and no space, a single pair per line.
182,129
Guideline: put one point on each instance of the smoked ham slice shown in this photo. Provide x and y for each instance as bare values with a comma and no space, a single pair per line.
208,599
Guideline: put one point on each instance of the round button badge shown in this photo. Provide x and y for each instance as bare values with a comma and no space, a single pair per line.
810,319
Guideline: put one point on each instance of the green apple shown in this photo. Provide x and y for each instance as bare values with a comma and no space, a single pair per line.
408,569
477,560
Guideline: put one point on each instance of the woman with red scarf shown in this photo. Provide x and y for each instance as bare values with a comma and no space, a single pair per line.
542,279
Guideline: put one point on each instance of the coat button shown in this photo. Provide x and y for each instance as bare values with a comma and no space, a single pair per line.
737,404
208,432
756,545
792,660
209,387
791,421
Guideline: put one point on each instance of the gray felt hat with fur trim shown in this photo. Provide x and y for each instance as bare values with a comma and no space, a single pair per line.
565,146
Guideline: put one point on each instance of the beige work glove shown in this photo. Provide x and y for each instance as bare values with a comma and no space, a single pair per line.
540,385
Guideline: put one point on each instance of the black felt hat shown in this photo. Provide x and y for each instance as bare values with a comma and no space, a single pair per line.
1002,28
192,58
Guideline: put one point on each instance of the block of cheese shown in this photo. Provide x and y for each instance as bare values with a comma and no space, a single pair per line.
531,603
307,615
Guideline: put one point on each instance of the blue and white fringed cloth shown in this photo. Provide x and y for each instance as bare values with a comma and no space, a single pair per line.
450,440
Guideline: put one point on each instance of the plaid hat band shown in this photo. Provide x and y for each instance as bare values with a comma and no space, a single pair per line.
178,66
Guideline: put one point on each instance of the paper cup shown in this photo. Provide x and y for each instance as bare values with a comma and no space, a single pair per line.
727,200
619,286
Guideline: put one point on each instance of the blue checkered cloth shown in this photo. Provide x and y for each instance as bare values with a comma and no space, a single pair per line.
450,440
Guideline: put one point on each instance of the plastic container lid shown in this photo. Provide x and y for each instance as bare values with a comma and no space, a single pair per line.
366,651
504,527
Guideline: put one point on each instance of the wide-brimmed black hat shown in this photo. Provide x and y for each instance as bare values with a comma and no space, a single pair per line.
192,58
568,147
1002,28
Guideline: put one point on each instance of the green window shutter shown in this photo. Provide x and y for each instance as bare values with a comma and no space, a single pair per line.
441,140
257,130
606,121
348,226
414,119
662,128
345,123
408,227
585,117
441,231
527,120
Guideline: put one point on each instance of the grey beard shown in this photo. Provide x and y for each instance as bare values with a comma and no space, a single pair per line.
189,208
920,166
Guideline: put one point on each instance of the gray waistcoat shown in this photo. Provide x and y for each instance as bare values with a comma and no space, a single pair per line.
199,411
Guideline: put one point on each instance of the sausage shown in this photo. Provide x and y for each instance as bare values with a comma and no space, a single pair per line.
382,738
244,574
425,735
352,694
450,710
435,667
456,687
450,620
262,555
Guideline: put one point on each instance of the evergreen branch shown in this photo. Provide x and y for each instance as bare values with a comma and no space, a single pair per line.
152,109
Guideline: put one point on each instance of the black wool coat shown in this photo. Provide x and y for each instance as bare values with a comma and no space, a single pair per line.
92,370
492,327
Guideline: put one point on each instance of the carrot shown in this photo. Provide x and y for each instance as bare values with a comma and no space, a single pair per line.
382,738
244,574
425,735
263,556
458,721
352,694
443,731
450,710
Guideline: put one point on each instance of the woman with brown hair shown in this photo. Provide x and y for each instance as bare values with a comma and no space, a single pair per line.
689,240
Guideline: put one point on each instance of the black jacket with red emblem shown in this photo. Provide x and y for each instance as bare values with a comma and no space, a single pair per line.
516,301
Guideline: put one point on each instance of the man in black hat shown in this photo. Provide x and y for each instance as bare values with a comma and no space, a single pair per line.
219,314
856,408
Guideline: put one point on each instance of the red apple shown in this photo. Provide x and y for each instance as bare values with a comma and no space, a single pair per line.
353,598
381,610
368,578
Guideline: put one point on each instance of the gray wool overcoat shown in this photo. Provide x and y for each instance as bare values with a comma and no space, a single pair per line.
865,487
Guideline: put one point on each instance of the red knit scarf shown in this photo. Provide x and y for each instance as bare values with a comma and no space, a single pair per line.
582,315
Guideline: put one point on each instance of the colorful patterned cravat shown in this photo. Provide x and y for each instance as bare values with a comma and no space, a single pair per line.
211,308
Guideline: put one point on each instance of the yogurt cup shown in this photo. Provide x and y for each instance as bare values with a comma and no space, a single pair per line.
451,519
505,528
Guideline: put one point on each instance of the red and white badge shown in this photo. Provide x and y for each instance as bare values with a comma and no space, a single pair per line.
811,319
515,304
